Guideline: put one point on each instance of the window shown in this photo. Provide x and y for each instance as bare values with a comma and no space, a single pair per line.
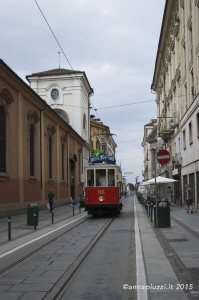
197,122
2,140
55,94
33,119
51,130
90,177
6,99
111,177
62,114
190,134
50,171
84,122
62,161
101,177
63,150
184,139
32,150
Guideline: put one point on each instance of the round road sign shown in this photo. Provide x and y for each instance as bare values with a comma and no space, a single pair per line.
163,157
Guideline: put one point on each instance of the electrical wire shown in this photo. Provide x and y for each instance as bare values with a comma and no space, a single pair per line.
56,39
54,35
127,104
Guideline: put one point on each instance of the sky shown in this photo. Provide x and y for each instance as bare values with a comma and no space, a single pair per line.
113,41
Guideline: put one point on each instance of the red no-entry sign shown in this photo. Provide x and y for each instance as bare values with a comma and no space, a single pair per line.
163,157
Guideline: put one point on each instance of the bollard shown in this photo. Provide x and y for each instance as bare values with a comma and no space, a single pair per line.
151,212
73,210
155,215
9,228
35,226
52,214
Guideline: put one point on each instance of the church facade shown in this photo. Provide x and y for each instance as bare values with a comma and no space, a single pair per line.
39,149
68,92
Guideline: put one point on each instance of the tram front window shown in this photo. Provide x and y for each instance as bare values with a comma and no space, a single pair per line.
101,177
111,177
90,178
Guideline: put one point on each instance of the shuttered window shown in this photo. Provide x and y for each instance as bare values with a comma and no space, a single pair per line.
2,140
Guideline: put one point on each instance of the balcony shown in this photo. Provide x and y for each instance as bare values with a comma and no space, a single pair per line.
166,134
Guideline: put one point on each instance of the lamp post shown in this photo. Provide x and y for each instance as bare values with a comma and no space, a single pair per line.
136,181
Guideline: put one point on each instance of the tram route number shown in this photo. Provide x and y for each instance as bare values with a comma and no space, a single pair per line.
101,192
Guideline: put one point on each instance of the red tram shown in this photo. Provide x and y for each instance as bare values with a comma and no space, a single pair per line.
103,188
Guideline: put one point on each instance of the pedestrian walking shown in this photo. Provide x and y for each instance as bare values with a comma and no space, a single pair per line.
169,196
51,197
189,199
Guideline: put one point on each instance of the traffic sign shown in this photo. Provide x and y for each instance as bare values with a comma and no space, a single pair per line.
163,157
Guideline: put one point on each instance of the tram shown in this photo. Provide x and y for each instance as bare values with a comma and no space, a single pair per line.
103,186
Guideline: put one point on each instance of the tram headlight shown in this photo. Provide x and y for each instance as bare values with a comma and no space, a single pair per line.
101,198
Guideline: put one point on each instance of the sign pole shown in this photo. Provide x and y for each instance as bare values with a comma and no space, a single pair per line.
162,157
156,192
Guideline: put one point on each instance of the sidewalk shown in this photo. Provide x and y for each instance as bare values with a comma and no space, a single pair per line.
171,255
20,229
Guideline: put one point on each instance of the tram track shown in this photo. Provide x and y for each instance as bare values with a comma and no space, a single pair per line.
12,265
63,283
22,258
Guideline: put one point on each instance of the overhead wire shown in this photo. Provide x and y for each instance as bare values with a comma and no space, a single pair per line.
113,106
65,56
56,39
53,34
127,104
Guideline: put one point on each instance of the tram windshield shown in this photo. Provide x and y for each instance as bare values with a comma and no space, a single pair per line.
101,177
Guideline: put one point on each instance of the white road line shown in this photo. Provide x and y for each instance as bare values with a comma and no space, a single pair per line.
140,270
38,238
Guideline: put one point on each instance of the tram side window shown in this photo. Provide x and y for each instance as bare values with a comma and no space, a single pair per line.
101,177
90,177
111,177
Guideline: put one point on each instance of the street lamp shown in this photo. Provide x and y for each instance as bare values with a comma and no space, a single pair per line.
136,181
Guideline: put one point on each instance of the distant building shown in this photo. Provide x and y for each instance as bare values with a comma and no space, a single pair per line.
101,137
176,83
39,150
149,143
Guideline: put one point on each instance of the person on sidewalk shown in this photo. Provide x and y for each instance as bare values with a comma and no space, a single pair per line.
189,199
169,196
51,197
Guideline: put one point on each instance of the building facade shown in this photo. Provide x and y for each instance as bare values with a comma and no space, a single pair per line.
176,84
68,92
39,149
149,143
101,138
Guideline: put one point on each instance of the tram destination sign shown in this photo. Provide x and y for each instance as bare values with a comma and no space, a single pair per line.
102,158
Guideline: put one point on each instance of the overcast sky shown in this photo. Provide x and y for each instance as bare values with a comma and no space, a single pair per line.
113,41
